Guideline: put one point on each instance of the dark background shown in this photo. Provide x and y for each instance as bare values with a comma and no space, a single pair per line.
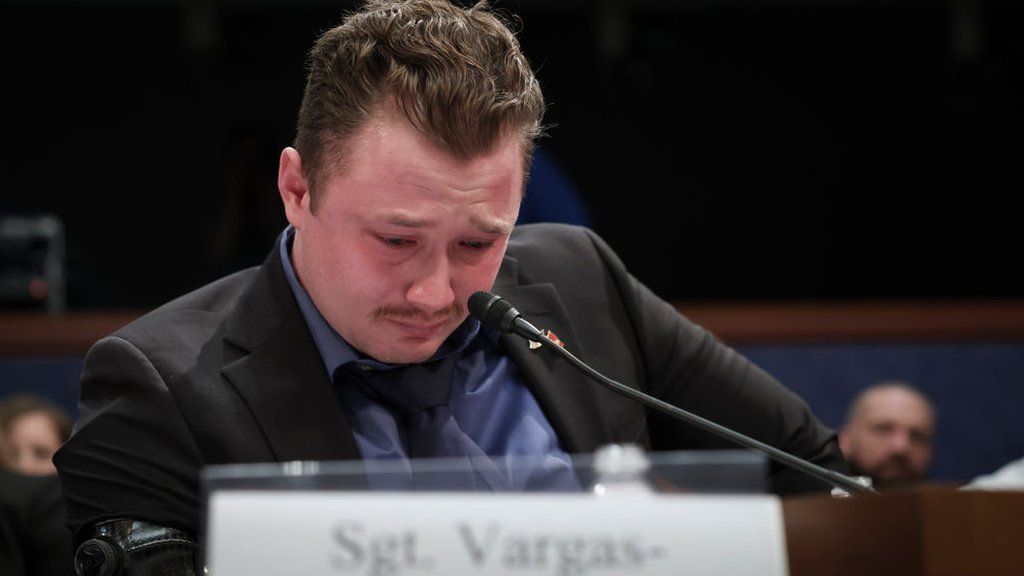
727,150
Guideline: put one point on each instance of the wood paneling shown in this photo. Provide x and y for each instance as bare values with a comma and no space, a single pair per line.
24,333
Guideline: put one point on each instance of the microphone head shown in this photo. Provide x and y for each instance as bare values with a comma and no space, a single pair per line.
492,310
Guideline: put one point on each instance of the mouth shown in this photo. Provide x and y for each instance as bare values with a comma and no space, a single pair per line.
419,329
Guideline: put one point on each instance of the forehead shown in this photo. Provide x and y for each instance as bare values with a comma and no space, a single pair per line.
896,404
394,161
33,422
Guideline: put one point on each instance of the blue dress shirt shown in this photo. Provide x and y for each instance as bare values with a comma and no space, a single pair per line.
488,399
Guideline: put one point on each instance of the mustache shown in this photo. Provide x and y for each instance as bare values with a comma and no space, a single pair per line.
453,310
899,465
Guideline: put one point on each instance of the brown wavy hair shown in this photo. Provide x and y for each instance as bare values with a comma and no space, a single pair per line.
16,406
457,74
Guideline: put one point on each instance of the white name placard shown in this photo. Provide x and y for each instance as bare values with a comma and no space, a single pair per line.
255,533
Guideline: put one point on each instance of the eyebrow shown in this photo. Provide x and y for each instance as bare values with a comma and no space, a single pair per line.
491,226
404,220
485,225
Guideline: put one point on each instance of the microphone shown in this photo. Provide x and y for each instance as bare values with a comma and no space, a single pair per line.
494,311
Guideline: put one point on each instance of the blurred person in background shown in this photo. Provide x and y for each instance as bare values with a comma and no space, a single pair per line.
33,429
888,434
33,539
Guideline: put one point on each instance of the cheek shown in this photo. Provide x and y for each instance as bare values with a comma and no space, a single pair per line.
370,280
921,453
478,276
347,263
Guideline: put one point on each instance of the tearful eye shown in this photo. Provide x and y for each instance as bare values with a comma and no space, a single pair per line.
476,244
394,242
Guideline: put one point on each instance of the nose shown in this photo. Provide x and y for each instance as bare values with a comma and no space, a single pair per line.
431,291
900,442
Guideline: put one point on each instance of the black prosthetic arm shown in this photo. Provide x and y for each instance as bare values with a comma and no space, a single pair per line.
125,547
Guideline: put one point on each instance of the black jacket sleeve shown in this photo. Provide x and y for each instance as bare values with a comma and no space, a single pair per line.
687,366
131,454
33,539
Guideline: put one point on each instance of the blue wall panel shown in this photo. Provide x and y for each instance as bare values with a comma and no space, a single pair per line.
978,390
53,378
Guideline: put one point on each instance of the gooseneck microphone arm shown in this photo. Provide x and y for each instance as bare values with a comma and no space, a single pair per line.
496,312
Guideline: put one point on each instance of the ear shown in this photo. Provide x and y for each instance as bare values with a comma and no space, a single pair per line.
844,440
293,187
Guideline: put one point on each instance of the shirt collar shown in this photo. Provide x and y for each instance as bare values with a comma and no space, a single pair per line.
334,350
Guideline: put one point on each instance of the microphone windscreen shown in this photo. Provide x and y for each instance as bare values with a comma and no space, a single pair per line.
489,309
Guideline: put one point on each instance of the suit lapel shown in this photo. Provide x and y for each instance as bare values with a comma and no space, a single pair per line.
565,395
282,378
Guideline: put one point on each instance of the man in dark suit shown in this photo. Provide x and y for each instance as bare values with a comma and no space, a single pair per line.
352,340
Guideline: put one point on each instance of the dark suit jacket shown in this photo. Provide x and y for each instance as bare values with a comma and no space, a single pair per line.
230,373
33,540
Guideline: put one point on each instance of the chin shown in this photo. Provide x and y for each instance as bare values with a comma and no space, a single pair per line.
410,354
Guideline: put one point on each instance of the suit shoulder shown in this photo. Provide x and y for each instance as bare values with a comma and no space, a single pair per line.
554,240
541,233
190,318
552,249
